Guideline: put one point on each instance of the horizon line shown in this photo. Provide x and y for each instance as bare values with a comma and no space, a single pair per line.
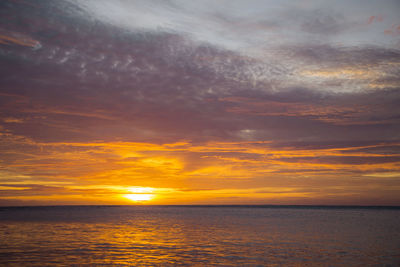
215,206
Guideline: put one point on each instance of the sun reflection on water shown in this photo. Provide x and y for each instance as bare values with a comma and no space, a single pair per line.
197,236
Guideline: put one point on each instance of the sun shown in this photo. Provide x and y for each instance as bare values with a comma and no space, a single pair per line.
139,197
140,193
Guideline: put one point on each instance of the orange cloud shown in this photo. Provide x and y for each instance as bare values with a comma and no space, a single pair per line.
14,38
394,30
105,172
378,18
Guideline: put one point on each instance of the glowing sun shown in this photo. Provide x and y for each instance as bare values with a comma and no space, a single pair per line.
140,193
139,197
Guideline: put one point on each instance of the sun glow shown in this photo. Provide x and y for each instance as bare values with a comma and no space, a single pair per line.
140,193
139,197
140,190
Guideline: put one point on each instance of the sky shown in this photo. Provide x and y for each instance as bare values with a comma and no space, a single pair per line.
199,102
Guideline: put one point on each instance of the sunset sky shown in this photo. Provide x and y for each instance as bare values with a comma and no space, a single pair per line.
199,102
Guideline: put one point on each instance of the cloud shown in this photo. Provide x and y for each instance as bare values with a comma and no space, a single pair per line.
247,27
15,38
188,95
163,83
333,56
378,18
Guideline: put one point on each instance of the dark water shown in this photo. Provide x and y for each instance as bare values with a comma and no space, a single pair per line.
199,236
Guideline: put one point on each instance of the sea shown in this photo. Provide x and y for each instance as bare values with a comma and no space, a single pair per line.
199,236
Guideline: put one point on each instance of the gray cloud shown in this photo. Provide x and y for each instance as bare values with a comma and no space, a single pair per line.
95,81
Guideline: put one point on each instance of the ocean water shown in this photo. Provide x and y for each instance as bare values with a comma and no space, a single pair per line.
199,236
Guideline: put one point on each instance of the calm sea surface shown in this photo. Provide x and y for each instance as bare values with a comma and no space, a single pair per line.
199,236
